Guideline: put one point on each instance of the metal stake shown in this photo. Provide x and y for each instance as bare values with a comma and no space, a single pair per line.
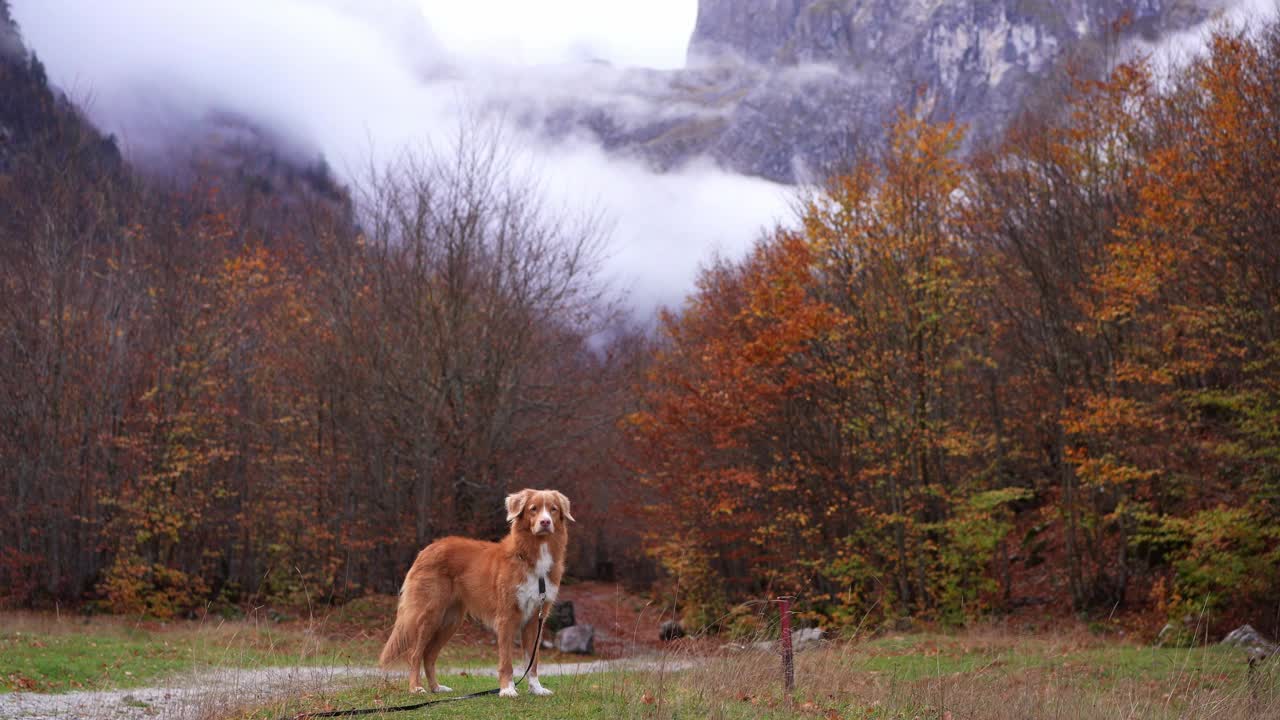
788,659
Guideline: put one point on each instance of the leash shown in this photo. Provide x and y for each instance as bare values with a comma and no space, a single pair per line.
537,645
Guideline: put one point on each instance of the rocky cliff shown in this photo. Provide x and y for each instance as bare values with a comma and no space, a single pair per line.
783,88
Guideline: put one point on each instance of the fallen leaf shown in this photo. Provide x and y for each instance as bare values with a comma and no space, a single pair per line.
21,682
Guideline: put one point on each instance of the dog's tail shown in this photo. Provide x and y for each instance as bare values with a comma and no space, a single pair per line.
404,635
398,644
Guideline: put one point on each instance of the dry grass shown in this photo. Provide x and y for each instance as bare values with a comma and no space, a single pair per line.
985,673
994,672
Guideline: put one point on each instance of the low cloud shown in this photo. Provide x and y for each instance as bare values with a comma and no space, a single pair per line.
358,81
1177,49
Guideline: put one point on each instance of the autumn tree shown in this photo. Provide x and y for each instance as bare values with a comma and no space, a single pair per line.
808,414
1193,278
1045,208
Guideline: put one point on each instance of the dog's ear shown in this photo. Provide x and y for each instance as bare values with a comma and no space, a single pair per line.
515,504
564,504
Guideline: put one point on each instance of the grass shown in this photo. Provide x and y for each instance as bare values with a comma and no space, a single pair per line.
995,674
57,655
40,653
582,697
974,674
988,672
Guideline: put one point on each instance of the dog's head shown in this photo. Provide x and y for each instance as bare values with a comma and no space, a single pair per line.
540,512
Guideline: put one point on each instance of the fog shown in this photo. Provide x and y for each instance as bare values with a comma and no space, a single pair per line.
357,81
1176,49
360,80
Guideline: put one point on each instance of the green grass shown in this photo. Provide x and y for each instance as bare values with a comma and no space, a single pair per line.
929,656
113,656
983,673
40,653
580,697
918,677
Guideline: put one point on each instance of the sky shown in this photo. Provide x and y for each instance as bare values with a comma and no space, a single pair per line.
359,80
652,33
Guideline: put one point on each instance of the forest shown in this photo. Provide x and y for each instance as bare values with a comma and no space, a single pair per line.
1042,374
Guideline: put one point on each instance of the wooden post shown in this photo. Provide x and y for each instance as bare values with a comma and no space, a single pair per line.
788,658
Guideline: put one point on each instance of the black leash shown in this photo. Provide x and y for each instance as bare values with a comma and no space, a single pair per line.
537,645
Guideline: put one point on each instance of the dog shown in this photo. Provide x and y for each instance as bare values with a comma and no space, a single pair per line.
496,584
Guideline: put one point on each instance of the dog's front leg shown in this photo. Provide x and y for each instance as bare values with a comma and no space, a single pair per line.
529,640
506,629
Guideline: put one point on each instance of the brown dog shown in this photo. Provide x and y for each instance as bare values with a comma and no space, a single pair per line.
494,583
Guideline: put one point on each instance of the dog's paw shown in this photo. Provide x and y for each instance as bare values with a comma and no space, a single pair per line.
418,690
539,690
508,692
442,689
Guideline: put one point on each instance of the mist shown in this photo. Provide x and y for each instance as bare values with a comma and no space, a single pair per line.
359,81
1179,48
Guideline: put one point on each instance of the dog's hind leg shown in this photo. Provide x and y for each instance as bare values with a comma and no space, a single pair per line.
429,618
448,626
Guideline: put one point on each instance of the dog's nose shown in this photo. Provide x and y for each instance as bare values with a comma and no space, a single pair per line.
545,523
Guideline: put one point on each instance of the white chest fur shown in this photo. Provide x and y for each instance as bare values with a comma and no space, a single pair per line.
527,596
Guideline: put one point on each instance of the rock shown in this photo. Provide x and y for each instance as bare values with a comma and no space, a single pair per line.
802,640
1251,641
548,645
579,639
806,639
670,630
561,616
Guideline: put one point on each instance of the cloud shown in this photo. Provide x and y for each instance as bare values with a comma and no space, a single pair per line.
358,80
654,33
1176,49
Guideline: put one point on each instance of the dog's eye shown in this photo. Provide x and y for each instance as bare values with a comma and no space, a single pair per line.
555,510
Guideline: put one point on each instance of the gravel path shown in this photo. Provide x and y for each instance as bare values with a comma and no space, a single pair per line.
190,697
185,696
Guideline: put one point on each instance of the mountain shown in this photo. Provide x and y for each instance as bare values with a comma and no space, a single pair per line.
38,124
46,138
785,89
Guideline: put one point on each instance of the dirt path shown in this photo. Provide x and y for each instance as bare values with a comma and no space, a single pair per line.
188,697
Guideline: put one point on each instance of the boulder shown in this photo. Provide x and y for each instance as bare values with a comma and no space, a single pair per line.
806,639
670,630
1251,641
801,640
579,639
561,616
